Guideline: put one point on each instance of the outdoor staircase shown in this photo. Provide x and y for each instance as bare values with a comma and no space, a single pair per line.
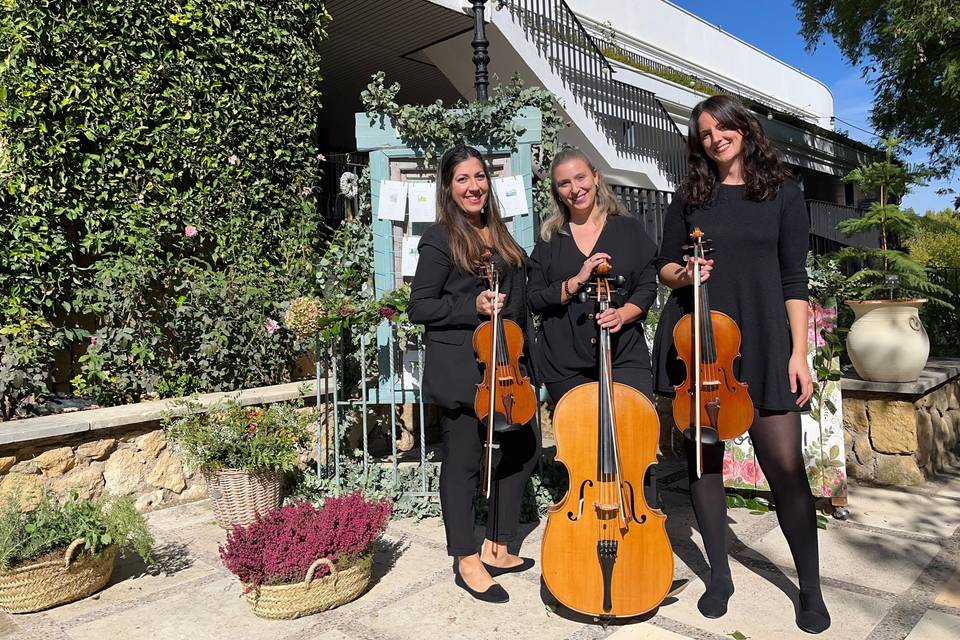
632,121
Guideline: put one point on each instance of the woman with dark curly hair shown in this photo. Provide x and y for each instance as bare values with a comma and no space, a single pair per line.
739,194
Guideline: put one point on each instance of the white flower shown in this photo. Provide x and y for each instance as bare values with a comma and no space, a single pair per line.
233,159
348,184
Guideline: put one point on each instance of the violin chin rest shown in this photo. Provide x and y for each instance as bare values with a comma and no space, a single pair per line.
708,435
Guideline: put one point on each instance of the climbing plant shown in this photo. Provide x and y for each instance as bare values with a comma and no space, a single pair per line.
157,167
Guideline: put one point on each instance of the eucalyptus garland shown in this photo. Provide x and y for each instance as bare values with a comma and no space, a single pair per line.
434,127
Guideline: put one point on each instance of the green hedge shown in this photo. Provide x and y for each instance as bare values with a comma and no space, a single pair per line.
157,161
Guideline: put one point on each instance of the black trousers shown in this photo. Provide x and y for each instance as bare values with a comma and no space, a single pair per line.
639,379
462,471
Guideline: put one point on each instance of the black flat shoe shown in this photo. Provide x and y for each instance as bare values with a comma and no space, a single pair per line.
813,616
495,594
494,571
713,603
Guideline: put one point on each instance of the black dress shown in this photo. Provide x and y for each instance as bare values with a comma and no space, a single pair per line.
566,346
760,253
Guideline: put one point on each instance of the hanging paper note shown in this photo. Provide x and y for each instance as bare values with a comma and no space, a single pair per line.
411,370
422,197
511,195
393,200
409,255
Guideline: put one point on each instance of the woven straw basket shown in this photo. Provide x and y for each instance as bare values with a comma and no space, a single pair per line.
239,495
289,601
47,584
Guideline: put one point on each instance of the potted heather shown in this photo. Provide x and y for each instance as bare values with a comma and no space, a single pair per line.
302,559
242,452
53,553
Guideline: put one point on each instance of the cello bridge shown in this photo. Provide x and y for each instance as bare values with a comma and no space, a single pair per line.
606,511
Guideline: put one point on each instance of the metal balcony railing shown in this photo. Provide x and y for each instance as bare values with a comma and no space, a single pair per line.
824,237
632,119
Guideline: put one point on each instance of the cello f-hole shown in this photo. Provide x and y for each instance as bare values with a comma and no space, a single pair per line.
628,486
583,486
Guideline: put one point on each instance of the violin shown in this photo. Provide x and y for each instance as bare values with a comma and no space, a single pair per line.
505,398
710,404
605,552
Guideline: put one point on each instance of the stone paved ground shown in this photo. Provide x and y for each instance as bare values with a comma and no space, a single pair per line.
891,571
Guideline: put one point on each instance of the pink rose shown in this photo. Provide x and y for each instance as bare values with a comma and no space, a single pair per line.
93,341
750,472
190,231
730,467
271,326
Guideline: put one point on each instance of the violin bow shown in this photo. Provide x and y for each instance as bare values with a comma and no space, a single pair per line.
488,448
698,434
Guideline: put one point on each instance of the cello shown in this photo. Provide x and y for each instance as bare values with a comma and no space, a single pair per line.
605,551
708,342
505,398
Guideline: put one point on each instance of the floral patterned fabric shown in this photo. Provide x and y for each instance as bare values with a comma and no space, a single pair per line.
822,438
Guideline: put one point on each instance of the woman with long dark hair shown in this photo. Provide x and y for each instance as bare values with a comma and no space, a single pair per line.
738,193
588,226
450,299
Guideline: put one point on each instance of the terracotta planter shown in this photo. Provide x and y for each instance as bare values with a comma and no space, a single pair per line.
239,495
887,342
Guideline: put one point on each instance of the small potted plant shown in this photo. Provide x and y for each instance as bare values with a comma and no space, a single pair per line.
302,559
887,342
58,553
242,452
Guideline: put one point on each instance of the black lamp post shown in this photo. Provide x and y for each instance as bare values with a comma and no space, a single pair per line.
480,56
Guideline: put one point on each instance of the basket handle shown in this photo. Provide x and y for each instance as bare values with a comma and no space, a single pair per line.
72,550
313,567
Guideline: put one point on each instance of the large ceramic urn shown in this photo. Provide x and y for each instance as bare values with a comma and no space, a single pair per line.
887,343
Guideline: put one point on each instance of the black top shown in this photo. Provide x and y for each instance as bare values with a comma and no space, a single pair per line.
568,332
759,258
443,298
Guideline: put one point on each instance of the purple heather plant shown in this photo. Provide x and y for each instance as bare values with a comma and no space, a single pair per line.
279,547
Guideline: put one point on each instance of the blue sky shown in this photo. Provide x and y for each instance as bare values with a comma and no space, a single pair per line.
772,25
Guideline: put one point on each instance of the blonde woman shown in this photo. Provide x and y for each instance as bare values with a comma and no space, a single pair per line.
589,226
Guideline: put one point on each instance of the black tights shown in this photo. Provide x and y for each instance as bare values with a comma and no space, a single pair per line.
776,441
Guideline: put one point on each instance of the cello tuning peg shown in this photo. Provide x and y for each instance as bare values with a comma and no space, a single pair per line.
583,296
619,281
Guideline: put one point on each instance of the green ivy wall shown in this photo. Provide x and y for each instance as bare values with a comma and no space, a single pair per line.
157,163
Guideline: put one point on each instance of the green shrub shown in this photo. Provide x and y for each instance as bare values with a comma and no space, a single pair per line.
156,184
26,344
26,536
935,241
236,437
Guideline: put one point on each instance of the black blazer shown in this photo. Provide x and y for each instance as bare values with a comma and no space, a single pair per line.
443,299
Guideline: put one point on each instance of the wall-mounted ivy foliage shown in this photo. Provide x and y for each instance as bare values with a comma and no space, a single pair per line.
157,161
434,127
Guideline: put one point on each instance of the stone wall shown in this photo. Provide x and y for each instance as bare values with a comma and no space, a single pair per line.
902,439
118,450
135,462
